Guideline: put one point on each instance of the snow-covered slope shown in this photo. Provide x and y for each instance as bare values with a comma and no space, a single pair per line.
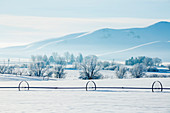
120,44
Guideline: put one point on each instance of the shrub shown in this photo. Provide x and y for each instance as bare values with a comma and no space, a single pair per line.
138,70
121,72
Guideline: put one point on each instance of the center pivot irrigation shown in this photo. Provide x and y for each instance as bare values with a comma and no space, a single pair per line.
90,85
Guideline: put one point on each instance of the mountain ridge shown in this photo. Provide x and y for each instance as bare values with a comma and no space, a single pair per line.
104,40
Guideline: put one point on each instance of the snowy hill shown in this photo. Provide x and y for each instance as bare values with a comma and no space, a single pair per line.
119,44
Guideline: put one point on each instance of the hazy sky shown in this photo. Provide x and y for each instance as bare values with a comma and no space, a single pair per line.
26,21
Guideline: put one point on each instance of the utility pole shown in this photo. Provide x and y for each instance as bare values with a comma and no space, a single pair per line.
8,61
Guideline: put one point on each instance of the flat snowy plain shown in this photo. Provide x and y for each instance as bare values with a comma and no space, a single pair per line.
81,101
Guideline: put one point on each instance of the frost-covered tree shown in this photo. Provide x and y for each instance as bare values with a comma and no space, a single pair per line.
51,59
105,64
59,71
90,69
157,61
20,71
33,58
79,58
67,56
2,69
121,72
152,69
6,69
36,69
72,59
113,63
39,58
45,58
9,70
130,61
17,71
24,66
76,65
145,60
55,55
138,70
61,61
168,67
46,71
148,61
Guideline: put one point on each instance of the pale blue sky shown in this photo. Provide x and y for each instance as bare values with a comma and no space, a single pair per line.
87,8
25,21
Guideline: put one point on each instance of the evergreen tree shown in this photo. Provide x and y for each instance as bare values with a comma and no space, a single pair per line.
79,58
72,59
51,59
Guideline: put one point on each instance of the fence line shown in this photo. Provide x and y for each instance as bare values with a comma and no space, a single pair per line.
87,87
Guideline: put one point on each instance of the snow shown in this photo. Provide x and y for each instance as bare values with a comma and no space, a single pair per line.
55,42
8,77
82,101
43,46
128,49
76,101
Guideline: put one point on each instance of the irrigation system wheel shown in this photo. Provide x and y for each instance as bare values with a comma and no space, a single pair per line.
23,86
90,86
157,86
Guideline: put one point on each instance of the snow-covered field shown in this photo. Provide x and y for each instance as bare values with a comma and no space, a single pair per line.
76,101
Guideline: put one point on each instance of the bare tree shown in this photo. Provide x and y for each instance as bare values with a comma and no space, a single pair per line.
90,69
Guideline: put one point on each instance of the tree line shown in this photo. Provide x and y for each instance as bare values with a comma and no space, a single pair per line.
55,58
145,60
89,66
